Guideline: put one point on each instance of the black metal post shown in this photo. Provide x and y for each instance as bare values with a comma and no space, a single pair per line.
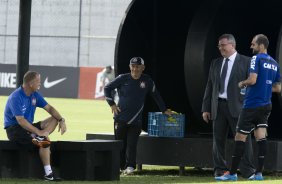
23,39
79,34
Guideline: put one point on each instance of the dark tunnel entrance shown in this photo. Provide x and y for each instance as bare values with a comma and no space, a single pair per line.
178,40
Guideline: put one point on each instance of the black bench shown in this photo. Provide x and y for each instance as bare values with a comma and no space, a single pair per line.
89,159
72,160
191,151
17,162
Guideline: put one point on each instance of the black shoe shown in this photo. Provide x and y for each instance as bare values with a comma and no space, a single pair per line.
41,141
51,177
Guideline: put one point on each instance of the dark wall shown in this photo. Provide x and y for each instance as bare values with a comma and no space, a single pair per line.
243,19
178,39
157,30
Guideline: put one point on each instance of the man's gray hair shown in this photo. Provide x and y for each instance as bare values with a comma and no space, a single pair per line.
229,37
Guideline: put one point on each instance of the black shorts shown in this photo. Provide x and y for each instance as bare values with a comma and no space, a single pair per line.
19,135
253,118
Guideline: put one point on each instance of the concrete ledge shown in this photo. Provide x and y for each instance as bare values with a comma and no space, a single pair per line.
71,160
18,162
89,159
192,152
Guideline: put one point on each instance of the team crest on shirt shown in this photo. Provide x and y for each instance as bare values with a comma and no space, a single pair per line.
33,101
142,84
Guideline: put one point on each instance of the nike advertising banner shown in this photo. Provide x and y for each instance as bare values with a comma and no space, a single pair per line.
58,81
55,81
8,78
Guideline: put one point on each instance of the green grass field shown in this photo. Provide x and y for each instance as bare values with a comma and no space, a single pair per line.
94,116
82,116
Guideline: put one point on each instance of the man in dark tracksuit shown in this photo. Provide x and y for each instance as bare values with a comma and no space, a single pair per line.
132,90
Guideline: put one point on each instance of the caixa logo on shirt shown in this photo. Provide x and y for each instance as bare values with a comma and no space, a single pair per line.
253,62
270,66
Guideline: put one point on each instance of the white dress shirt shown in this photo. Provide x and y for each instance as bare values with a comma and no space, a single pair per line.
229,69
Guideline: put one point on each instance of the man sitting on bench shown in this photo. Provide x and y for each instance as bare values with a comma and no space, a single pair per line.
19,116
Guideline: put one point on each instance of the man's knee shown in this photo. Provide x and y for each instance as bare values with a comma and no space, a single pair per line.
260,133
50,122
240,137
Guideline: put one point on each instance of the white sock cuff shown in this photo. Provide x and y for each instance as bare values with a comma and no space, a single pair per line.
47,169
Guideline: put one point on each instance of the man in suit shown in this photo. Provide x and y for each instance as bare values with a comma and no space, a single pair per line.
222,102
264,78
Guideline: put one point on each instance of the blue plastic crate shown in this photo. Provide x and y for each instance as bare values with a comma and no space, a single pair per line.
161,125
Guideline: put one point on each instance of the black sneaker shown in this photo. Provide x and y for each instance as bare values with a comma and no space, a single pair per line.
51,177
41,141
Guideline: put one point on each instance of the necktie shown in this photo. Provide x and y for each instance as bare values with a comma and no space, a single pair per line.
223,75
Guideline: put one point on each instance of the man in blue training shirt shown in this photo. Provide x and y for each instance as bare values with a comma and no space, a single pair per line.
19,117
132,90
264,78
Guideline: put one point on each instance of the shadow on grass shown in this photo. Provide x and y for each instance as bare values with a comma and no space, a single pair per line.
157,175
175,171
189,171
171,175
167,175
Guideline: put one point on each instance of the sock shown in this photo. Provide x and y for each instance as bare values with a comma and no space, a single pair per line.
261,154
237,155
47,169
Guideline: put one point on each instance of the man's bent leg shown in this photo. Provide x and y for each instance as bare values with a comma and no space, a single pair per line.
20,136
44,154
49,124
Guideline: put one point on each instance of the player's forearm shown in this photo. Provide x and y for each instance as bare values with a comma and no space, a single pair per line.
108,95
276,88
247,82
54,113
251,80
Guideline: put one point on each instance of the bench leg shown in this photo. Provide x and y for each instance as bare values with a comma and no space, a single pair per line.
181,170
139,167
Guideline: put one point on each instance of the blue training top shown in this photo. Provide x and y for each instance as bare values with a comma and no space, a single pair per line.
132,94
19,104
268,72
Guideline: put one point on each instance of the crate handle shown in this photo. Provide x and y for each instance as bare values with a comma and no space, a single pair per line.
171,119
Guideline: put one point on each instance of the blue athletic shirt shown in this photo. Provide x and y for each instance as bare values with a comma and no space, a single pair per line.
132,94
268,72
19,104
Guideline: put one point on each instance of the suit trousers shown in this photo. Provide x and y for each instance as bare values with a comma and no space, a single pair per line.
129,134
221,126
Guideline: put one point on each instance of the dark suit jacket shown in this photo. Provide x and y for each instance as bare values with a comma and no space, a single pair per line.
238,73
